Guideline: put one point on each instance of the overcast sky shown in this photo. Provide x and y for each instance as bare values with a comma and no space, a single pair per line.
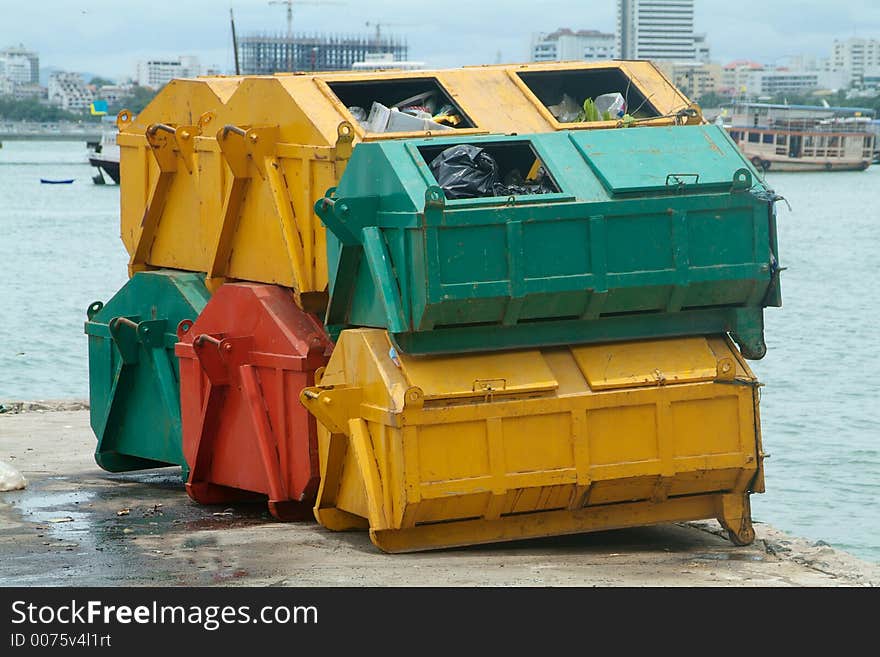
108,37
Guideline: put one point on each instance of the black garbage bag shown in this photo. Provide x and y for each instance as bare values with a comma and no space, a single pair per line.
465,171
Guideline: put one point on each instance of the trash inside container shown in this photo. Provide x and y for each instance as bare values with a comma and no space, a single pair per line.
243,365
134,388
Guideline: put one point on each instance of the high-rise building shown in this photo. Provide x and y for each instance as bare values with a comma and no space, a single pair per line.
565,44
701,49
267,54
156,73
20,66
856,56
659,30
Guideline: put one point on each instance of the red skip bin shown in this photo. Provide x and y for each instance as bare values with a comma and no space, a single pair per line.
243,364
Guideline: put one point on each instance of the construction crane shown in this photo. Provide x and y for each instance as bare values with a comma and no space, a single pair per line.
379,27
289,38
290,4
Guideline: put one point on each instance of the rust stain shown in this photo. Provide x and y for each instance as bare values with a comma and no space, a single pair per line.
712,144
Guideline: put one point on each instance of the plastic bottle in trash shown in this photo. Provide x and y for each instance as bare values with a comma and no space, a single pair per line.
613,103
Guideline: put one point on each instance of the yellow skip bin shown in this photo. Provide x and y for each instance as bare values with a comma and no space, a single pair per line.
221,174
448,451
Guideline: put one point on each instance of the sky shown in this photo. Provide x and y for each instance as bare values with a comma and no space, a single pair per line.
108,37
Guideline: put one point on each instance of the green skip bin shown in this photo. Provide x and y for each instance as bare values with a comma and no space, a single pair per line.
133,373
578,237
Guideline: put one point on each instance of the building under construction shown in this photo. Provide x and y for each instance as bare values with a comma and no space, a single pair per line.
264,54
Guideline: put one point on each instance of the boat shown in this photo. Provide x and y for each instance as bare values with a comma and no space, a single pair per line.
50,181
803,137
875,128
104,155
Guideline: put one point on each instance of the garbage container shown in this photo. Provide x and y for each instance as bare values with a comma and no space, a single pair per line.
220,175
196,191
623,234
441,451
243,364
551,352
133,374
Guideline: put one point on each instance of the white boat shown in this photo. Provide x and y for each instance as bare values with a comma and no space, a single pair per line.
104,155
803,137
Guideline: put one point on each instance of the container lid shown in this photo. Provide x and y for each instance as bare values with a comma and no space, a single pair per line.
479,375
671,159
648,362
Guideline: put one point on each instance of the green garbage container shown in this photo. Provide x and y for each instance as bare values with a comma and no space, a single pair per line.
590,236
133,373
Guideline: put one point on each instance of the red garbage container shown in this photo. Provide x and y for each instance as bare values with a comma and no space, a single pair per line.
243,364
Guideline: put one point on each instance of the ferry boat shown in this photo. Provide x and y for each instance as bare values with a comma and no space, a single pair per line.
104,155
803,137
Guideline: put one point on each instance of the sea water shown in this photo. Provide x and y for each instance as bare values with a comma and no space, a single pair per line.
820,406
59,251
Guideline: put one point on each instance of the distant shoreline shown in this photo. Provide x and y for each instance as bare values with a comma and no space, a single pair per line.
50,136
14,407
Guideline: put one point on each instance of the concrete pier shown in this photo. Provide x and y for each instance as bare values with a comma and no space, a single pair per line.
76,525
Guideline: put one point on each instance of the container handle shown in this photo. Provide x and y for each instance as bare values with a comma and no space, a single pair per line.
677,179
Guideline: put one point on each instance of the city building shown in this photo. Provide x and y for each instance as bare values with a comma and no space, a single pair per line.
702,53
739,76
266,54
695,79
384,62
565,44
745,78
28,91
114,93
871,79
659,30
790,81
855,56
156,73
20,65
70,92
15,70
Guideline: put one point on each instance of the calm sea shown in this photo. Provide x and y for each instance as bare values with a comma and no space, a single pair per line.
60,250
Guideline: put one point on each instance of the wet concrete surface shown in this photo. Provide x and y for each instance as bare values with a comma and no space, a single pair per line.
76,525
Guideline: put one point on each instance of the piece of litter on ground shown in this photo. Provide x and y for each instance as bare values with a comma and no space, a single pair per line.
65,519
10,478
222,513
123,512
127,530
